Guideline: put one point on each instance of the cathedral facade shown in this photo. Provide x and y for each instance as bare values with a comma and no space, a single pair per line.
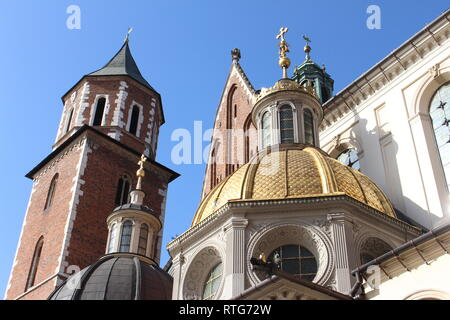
307,193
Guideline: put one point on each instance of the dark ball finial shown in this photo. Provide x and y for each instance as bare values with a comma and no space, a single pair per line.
236,54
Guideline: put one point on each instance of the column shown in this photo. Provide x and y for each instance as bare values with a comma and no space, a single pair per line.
344,251
235,257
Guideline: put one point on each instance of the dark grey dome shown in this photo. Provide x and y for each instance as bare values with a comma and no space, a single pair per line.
118,276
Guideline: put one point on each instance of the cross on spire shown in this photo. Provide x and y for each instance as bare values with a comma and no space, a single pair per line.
281,34
130,30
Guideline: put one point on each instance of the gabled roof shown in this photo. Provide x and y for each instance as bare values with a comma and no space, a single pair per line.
122,64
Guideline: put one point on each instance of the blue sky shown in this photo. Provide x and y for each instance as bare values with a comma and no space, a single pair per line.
183,50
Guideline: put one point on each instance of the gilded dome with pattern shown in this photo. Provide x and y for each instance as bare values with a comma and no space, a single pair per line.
293,171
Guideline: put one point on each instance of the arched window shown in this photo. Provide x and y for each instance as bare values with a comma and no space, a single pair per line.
143,239
34,263
440,116
99,110
134,119
309,126
247,127
125,237
123,189
286,124
51,192
69,120
229,132
350,158
112,237
212,282
297,260
213,169
266,129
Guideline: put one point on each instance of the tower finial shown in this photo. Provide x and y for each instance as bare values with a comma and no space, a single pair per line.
140,173
235,55
130,30
307,48
284,61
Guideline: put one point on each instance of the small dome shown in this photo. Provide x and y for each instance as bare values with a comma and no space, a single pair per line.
118,276
293,171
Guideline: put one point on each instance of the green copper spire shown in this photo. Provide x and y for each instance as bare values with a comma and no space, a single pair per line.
311,72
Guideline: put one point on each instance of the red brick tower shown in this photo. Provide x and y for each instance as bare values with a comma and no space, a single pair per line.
110,118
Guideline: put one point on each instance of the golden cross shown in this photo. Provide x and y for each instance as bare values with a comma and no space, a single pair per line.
130,30
142,161
281,34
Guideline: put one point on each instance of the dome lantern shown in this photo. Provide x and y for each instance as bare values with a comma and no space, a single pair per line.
133,227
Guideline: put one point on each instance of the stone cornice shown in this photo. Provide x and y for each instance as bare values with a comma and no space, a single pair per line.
433,36
210,222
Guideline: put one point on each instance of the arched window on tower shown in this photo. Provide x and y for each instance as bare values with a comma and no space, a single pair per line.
51,192
99,110
34,264
69,120
125,237
229,131
247,127
112,237
309,126
440,116
350,158
123,190
134,120
266,129
286,124
143,239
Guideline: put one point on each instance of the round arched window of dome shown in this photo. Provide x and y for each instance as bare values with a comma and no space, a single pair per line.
350,158
440,116
212,282
296,260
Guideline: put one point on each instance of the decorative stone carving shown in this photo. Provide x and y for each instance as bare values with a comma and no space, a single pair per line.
374,247
197,272
434,71
323,224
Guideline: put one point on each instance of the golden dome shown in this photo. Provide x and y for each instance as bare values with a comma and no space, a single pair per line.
293,171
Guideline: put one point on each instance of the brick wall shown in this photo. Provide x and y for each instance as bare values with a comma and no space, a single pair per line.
230,149
48,223
121,94
74,227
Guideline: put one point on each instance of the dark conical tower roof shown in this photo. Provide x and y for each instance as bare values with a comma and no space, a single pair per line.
122,64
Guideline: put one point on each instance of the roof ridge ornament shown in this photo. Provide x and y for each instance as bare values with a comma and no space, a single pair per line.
307,48
235,55
284,61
